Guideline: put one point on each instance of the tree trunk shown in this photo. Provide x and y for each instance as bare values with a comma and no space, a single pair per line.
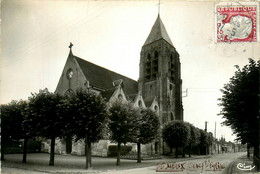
256,160
258,164
89,154
86,151
68,142
176,153
156,147
118,154
189,149
2,150
183,152
51,163
248,152
25,149
139,152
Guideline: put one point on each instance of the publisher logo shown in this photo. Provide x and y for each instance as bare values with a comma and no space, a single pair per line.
243,166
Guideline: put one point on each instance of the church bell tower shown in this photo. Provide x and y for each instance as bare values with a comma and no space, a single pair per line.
160,73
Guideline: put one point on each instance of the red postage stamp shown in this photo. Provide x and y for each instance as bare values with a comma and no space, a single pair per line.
236,23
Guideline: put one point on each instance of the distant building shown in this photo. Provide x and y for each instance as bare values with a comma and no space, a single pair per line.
159,86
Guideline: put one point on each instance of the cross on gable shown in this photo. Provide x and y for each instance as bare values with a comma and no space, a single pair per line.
71,45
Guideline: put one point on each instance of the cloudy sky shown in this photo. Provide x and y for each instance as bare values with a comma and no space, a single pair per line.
36,35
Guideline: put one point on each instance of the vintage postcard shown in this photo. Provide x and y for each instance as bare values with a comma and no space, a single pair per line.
135,86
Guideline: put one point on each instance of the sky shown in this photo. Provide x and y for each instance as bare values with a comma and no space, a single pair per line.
35,36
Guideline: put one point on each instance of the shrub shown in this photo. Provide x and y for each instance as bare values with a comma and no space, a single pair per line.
112,150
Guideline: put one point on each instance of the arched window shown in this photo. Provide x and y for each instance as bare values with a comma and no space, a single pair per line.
171,89
69,73
69,92
155,65
171,57
156,108
148,67
170,86
172,117
171,68
156,54
120,96
148,58
140,104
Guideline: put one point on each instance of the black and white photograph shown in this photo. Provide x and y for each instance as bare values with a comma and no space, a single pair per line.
130,86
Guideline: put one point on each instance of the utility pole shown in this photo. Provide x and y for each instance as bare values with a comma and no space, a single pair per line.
215,133
206,126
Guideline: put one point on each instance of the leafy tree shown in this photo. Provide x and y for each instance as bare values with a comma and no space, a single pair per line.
12,119
44,117
210,140
66,116
203,141
240,105
194,137
176,134
148,125
122,124
89,116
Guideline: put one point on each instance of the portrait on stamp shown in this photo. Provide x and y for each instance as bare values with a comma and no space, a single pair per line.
236,23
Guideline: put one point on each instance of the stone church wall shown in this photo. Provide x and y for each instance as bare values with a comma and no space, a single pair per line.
99,149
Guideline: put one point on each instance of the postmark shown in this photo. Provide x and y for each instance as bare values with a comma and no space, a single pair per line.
236,23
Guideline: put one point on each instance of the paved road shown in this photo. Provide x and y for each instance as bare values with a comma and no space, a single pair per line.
242,165
38,164
19,171
218,164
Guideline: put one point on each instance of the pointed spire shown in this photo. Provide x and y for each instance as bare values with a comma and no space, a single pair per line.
158,32
70,46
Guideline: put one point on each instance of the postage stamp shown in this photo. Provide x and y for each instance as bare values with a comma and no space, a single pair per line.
236,23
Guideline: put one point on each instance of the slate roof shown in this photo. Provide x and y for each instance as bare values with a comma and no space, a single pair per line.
148,103
103,78
107,94
158,32
131,97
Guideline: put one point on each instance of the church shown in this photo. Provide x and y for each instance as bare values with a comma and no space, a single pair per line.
159,86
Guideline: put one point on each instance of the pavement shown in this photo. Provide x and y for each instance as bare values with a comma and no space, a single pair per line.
38,163
217,164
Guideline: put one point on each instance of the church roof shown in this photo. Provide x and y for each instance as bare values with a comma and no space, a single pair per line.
132,97
107,94
148,103
103,78
158,32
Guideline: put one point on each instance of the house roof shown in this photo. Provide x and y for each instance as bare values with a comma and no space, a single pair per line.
158,32
103,78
